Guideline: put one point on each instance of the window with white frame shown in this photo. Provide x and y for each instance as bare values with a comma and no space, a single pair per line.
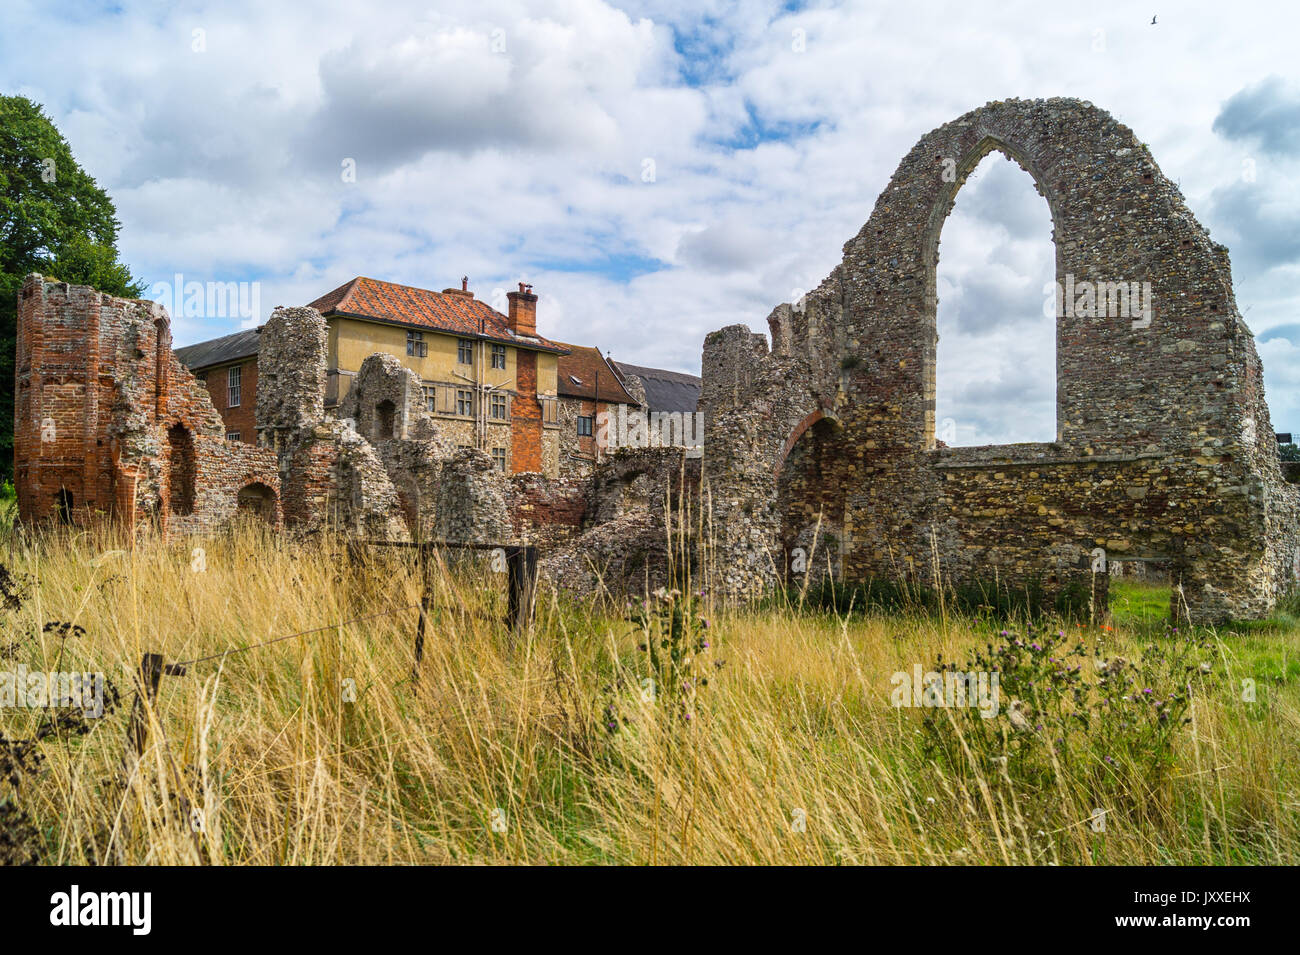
498,356
465,351
499,407
233,380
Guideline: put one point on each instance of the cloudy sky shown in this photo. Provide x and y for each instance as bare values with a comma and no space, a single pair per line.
656,169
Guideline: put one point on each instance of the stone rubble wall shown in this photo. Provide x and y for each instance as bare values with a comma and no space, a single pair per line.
623,544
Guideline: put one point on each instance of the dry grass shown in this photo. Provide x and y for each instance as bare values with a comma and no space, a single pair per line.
797,717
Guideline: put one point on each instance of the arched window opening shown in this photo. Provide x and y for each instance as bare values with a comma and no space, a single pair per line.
995,365
181,486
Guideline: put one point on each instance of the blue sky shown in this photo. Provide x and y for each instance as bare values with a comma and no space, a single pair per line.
656,170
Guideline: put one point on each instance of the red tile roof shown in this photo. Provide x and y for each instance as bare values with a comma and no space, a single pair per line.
454,312
582,368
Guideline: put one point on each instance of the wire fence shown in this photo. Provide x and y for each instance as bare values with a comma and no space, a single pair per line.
521,568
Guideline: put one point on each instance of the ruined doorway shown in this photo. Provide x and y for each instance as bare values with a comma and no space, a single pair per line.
63,506
181,458
385,421
256,500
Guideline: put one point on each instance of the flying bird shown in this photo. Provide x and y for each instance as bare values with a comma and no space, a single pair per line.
1153,21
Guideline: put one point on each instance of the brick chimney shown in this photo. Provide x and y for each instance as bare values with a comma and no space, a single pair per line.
523,311
463,291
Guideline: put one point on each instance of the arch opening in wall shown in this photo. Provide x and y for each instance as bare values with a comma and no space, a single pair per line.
63,505
181,472
994,370
256,500
810,501
385,420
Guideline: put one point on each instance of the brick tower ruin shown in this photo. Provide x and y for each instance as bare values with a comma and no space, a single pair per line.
107,423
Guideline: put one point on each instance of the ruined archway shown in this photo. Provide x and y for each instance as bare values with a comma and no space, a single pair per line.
995,354
385,420
810,509
63,505
1159,390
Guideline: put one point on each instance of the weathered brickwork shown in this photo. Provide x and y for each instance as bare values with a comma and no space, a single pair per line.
1157,456
108,424
548,511
526,422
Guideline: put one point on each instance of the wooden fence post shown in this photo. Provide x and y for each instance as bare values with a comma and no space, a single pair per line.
521,563
426,604
146,689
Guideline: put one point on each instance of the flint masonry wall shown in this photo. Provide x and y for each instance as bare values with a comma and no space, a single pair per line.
1159,453
622,545
108,424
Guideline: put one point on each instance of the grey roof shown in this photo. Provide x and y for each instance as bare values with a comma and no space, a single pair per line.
218,351
665,390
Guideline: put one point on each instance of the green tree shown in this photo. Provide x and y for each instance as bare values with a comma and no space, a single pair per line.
1289,452
53,220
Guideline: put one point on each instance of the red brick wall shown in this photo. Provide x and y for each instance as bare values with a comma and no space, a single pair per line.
240,418
97,391
526,423
547,511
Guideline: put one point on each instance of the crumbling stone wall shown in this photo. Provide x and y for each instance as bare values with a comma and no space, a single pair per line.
547,511
471,504
1158,454
108,424
624,545
105,411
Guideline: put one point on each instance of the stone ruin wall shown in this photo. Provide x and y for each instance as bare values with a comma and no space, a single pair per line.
99,391
1163,449
107,418
385,468
825,440
636,500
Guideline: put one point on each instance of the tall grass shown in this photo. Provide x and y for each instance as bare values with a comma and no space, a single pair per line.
501,751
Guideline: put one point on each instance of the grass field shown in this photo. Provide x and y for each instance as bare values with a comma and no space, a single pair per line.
596,739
